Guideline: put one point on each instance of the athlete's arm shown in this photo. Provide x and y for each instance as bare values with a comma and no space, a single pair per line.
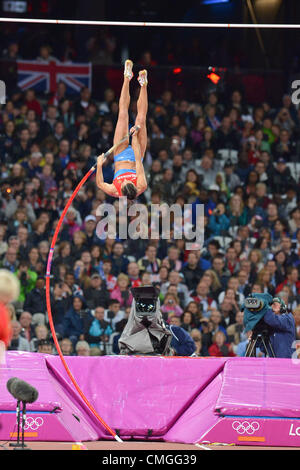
107,188
141,182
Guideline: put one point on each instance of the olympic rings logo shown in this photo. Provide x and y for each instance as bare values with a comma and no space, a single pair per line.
33,423
245,427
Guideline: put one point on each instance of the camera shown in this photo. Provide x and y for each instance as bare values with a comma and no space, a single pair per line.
145,300
83,312
253,304
145,332
23,279
110,314
255,307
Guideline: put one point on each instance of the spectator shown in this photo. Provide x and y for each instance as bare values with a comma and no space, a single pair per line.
213,282
27,279
9,261
41,332
110,279
25,320
133,274
228,312
201,296
66,347
18,342
175,279
197,338
235,331
75,319
150,262
187,321
171,306
114,314
35,301
219,222
192,272
82,348
61,302
291,280
121,291
118,259
32,103
264,279
219,347
236,211
45,346
96,294
218,266
217,322
97,331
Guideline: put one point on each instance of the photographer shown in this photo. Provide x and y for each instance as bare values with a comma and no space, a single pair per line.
271,327
97,331
27,279
114,314
218,221
283,330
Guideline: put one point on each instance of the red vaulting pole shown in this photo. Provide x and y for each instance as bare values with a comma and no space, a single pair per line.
48,271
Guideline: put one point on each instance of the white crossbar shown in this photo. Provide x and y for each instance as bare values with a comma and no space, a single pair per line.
150,24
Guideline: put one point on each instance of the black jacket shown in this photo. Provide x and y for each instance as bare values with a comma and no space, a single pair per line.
35,301
192,276
96,297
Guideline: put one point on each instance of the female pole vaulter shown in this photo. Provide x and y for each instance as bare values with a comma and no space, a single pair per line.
129,178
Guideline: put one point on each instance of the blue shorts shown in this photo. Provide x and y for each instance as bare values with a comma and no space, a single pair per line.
126,155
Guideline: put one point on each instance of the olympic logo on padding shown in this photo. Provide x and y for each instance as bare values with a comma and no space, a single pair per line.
245,427
33,423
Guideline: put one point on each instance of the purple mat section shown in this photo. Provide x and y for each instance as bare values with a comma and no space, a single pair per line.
199,418
31,368
260,387
139,396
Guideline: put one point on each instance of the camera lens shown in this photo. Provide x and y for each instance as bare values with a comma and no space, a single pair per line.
145,306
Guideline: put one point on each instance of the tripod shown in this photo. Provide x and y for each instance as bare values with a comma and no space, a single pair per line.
257,338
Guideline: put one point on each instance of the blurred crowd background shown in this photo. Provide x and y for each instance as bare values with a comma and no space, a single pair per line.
239,158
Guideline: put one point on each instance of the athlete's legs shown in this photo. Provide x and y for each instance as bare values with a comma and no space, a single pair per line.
142,108
124,101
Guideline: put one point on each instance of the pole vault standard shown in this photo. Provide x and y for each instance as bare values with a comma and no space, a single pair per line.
150,24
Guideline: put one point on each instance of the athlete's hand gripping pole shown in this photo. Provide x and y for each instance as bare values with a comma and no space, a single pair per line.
132,131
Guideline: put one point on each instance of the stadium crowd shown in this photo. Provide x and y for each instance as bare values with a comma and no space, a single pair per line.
240,161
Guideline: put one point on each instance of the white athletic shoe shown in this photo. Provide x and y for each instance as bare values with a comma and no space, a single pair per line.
142,78
128,69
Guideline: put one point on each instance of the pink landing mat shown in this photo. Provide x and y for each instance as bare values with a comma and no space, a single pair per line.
260,387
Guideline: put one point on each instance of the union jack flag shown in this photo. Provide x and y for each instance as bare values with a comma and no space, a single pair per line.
44,76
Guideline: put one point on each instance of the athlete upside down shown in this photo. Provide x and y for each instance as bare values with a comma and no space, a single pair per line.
129,178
